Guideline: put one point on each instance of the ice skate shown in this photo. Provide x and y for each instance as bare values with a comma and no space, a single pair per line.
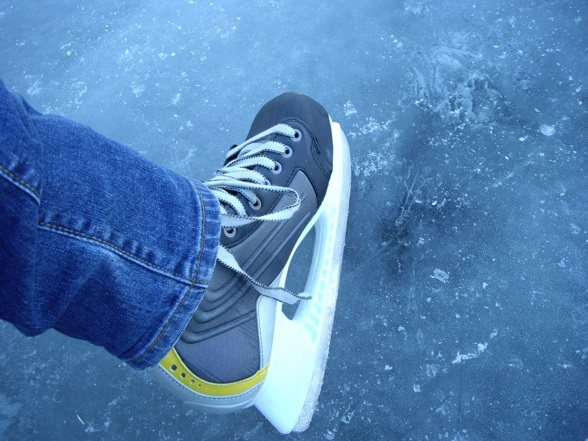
240,349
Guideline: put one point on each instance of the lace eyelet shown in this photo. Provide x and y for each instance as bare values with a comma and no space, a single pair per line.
230,231
288,152
255,205
277,168
297,135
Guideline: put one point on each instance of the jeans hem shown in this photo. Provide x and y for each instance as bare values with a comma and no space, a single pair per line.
168,333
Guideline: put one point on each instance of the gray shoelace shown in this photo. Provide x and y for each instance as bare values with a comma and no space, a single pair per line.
238,176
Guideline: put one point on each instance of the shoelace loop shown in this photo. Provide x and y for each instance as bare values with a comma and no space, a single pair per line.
238,176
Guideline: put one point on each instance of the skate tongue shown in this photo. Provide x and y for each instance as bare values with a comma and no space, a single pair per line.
280,294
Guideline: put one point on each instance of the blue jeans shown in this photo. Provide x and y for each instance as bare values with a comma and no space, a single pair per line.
96,241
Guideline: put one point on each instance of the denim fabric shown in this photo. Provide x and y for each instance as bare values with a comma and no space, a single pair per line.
96,241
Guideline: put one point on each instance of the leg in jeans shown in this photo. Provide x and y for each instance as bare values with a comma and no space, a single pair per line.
96,241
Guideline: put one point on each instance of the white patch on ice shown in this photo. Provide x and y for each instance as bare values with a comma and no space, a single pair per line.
348,416
416,388
176,99
565,365
372,165
481,347
388,367
440,275
547,130
501,181
516,363
137,89
34,89
349,109
81,88
432,370
372,126
442,409
415,7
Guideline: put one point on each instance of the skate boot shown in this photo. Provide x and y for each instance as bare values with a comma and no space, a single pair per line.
291,175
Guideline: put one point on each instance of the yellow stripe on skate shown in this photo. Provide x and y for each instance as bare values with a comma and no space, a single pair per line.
174,365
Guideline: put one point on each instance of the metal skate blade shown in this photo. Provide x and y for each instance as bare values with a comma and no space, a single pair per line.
300,348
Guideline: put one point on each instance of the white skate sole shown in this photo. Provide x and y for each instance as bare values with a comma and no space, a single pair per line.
289,394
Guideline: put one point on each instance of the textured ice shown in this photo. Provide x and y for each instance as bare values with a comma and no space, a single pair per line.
467,127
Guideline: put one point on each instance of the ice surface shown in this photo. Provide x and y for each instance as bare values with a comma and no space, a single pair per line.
463,307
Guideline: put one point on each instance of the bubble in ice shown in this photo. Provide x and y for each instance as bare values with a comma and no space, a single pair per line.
547,130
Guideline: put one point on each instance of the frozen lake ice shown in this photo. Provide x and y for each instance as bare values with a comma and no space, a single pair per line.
463,308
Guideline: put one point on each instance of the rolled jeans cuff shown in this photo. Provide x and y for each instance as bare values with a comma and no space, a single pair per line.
187,294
